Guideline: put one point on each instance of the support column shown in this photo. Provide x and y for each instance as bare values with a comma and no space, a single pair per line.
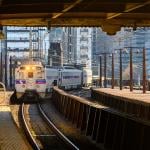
1,67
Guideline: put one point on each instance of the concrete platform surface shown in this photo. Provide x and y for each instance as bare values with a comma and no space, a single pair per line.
5,97
125,94
10,136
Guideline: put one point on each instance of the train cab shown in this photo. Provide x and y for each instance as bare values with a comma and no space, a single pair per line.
30,78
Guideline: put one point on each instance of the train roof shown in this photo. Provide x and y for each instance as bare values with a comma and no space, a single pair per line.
31,62
59,67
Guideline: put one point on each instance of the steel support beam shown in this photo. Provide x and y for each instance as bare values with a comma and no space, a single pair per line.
67,9
128,9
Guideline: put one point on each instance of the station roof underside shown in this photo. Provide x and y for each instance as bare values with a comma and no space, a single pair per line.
110,15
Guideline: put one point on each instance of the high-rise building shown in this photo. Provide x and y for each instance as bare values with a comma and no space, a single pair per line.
22,43
75,44
101,44
84,47
136,40
23,39
66,37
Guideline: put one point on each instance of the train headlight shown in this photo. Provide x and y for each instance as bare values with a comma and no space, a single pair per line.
23,86
28,68
33,68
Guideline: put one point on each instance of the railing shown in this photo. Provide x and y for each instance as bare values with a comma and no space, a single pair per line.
112,129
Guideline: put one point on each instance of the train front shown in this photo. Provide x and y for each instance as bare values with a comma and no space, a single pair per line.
30,83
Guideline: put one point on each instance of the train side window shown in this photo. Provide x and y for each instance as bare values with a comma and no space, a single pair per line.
38,68
30,74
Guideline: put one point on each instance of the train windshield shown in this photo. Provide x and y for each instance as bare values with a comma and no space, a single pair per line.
38,68
30,74
22,68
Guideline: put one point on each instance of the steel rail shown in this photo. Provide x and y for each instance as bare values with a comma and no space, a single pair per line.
27,131
57,131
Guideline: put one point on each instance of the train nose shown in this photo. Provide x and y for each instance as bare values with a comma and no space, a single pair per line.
30,96
30,84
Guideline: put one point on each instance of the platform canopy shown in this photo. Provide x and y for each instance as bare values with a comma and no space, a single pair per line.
108,14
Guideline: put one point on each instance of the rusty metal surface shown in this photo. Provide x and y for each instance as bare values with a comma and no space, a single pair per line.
10,137
108,14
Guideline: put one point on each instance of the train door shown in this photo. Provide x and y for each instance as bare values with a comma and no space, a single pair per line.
30,79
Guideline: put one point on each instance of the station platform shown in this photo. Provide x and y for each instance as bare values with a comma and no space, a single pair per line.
136,95
134,103
10,136
5,97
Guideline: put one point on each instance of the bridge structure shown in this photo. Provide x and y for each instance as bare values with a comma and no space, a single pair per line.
107,14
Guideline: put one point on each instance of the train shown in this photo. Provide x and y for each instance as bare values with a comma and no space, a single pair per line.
32,79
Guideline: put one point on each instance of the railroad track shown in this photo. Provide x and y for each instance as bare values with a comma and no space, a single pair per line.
86,93
41,132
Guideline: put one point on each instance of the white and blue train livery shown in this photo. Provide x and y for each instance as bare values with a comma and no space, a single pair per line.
66,78
51,75
70,78
30,78
87,77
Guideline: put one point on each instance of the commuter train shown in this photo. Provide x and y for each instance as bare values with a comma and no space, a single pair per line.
31,78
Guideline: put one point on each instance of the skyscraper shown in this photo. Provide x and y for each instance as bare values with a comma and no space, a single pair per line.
84,46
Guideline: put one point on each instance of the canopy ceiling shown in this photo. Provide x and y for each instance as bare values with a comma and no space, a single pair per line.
108,14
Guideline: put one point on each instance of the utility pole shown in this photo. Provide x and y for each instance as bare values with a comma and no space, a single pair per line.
131,71
120,69
100,71
6,58
10,71
1,64
105,69
112,80
144,71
